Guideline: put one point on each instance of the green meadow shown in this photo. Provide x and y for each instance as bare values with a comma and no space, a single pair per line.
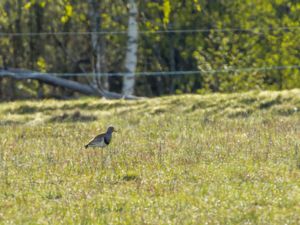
188,159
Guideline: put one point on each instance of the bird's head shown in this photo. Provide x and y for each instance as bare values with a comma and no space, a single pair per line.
111,129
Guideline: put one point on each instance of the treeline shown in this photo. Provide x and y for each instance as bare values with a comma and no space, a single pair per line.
234,45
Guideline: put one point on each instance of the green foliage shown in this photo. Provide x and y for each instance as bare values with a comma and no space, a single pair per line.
262,45
200,159
68,13
167,11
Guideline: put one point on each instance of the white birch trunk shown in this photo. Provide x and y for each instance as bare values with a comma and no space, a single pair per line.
131,53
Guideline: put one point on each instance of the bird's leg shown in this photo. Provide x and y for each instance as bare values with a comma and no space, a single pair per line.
90,159
107,158
102,159
110,157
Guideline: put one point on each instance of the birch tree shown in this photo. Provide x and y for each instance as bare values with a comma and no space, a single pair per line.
97,82
131,52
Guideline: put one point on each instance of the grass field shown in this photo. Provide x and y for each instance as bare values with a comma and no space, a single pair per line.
190,159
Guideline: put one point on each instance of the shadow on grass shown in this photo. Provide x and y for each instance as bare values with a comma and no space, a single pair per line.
130,177
9,123
239,113
72,117
29,109
285,110
270,102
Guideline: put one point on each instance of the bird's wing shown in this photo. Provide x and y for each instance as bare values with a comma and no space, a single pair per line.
97,138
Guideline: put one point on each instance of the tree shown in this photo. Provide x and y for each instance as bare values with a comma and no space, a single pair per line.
131,53
80,38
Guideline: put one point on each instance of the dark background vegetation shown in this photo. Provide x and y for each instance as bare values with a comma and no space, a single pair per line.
249,44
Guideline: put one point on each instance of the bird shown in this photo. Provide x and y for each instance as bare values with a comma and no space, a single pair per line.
102,140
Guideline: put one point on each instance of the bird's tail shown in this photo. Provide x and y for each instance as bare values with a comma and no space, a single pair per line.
86,146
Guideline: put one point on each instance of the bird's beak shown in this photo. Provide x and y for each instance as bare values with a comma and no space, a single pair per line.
115,131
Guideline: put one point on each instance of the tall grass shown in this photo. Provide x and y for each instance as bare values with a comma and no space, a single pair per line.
212,159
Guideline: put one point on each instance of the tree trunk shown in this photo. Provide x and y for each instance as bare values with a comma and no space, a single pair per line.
48,79
131,53
35,43
17,41
15,25
172,63
59,82
94,13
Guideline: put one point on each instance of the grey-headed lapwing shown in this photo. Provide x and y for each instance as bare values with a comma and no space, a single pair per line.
102,140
